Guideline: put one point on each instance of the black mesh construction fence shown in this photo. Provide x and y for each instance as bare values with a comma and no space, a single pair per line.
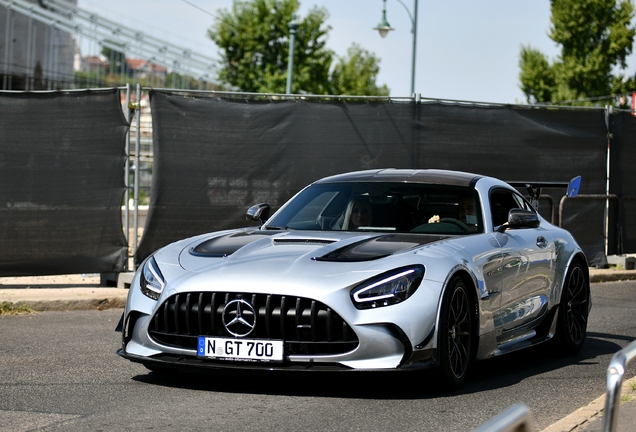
215,157
525,144
623,181
61,157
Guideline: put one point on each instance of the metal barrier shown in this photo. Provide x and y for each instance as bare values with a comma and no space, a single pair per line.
514,419
615,372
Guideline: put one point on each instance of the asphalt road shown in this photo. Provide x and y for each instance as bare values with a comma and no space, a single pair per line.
59,371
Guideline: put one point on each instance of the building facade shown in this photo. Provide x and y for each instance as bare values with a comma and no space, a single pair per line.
34,55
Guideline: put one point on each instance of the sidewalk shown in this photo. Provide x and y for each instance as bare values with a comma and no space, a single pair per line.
83,292
60,293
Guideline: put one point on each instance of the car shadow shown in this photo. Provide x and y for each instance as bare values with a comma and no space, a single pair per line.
495,373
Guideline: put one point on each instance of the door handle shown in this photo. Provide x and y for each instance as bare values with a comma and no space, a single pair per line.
542,242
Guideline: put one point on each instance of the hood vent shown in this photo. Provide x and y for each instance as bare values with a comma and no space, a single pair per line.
378,247
224,246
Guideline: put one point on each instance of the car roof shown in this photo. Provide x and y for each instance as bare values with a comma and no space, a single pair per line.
428,176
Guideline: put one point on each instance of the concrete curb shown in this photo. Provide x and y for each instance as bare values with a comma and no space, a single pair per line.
579,418
64,299
69,305
609,275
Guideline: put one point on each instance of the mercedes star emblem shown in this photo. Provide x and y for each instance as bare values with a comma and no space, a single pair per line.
239,318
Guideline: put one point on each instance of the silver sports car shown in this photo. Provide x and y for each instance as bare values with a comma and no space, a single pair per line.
372,270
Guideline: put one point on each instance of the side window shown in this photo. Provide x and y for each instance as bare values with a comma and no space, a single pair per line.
522,204
501,202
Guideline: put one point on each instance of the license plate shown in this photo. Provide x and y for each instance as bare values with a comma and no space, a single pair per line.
240,349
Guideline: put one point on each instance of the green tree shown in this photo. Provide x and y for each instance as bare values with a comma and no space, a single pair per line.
355,74
596,36
254,41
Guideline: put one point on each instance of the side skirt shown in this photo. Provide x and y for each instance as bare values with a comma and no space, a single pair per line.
491,346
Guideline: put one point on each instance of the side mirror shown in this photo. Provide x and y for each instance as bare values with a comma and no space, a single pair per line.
520,218
258,213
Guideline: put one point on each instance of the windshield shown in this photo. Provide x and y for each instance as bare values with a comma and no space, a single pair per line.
386,207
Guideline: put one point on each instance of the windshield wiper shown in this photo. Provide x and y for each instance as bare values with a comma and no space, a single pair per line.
272,227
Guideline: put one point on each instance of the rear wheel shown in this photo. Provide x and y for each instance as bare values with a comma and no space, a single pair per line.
455,334
573,310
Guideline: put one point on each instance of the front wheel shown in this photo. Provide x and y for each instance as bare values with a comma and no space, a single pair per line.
455,334
573,310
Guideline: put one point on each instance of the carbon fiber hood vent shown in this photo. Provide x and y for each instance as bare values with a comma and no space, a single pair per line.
379,247
226,245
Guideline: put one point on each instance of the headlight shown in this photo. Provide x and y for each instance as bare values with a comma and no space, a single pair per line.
388,288
151,280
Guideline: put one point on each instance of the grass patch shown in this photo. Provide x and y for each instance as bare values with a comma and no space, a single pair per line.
7,308
626,398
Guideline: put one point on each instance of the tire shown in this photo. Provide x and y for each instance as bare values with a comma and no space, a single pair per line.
573,310
455,334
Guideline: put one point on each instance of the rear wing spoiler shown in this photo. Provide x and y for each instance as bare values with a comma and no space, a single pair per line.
534,188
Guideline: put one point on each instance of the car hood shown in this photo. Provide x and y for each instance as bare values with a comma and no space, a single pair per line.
276,251
250,251
318,264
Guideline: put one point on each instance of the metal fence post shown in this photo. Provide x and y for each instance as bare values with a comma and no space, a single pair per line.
127,174
615,372
137,163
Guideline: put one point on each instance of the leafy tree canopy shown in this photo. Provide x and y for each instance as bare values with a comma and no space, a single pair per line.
355,74
254,42
596,36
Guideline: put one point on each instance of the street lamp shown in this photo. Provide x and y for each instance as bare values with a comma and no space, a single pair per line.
384,28
293,26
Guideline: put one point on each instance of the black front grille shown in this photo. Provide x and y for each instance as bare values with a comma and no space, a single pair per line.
307,327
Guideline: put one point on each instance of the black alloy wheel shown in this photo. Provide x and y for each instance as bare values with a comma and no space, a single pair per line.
456,334
573,310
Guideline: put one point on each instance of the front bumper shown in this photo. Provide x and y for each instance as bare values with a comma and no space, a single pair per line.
380,347
197,365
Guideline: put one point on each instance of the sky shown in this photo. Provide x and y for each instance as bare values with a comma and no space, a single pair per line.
466,49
